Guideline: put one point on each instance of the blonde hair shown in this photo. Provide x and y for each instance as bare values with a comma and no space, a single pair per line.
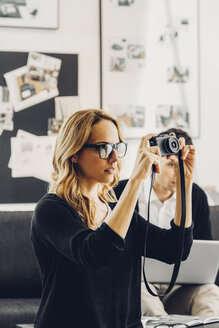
72,136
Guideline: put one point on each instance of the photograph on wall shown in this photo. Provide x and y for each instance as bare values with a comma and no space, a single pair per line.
126,54
64,107
35,82
31,156
6,111
163,41
131,118
168,116
177,74
29,13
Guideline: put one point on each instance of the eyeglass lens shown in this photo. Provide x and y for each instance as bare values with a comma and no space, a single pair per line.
106,150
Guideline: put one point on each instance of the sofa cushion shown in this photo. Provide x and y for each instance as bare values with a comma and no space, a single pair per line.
19,274
13,311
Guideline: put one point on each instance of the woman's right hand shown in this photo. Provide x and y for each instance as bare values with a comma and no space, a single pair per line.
146,157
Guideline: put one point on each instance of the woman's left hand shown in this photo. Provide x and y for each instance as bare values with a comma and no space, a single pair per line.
188,157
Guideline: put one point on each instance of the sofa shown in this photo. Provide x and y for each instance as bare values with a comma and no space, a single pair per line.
20,286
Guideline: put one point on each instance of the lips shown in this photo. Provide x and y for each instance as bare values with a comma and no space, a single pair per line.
111,170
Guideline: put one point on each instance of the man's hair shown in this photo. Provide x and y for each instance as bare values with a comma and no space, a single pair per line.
179,133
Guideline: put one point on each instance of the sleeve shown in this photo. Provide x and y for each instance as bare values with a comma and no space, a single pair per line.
200,214
59,226
163,244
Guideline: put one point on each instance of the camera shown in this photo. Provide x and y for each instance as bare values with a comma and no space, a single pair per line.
167,144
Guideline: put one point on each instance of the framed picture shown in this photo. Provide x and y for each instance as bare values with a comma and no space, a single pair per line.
149,64
29,13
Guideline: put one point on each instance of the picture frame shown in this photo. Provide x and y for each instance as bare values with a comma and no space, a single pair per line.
149,65
29,13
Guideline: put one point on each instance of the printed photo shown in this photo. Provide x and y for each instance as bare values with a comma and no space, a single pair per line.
129,115
35,82
168,116
29,13
64,107
126,54
6,111
177,74
125,2
31,156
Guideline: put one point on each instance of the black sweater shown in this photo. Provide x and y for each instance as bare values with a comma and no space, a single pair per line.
91,278
200,210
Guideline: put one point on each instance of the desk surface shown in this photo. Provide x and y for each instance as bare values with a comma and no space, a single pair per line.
210,325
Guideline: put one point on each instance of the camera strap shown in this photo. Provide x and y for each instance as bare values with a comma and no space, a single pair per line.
180,245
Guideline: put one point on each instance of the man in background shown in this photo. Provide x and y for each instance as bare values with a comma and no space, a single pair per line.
200,300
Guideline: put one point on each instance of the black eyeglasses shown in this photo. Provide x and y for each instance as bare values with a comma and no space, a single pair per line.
105,150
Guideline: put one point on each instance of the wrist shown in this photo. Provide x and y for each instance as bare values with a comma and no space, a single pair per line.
134,181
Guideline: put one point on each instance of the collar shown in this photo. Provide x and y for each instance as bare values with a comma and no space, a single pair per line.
146,188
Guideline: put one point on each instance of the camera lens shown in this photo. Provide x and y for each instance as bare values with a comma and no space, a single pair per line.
172,145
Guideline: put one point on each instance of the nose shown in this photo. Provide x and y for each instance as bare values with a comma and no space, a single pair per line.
113,157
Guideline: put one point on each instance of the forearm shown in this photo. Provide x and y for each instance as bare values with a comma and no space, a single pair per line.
121,216
188,196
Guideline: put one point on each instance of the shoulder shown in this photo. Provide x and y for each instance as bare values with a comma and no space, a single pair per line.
51,209
198,192
49,201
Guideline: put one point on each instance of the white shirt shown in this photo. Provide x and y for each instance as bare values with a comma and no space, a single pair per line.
160,213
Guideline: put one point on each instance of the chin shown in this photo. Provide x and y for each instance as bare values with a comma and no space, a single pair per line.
107,179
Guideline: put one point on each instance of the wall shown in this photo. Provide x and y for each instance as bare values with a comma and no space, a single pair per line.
79,33
207,145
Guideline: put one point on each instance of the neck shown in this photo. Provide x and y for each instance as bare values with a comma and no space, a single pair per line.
161,192
89,190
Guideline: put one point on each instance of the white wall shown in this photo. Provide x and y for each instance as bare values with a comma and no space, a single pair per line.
207,146
79,33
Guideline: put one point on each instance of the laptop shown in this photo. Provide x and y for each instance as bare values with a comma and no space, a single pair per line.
201,266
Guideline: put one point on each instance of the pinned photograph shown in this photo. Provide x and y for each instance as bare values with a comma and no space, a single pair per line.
6,111
64,107
177,74
125,2
29,13
131,118
31,156
35,82
168,116
126,54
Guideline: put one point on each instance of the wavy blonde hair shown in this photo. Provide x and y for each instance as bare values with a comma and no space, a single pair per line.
72,136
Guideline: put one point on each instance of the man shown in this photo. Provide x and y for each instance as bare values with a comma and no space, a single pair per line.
200,300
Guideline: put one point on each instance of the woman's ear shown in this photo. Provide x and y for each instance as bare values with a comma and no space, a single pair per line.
74,158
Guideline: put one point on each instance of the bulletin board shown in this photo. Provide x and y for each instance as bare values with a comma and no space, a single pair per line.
34,120
149,65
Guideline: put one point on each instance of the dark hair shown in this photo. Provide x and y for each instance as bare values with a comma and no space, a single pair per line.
179,133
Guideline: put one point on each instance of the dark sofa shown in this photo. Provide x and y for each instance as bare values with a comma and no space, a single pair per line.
20,286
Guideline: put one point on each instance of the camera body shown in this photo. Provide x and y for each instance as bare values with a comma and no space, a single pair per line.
167,144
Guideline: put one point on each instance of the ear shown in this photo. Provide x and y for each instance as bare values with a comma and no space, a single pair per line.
74,158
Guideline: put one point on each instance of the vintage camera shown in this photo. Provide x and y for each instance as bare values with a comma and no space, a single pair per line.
167,144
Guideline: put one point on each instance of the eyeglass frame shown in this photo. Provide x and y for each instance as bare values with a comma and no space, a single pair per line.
95,146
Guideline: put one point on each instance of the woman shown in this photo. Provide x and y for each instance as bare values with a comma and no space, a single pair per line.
88,246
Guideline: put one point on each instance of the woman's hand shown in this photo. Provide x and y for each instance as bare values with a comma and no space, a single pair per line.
146,157
188,157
